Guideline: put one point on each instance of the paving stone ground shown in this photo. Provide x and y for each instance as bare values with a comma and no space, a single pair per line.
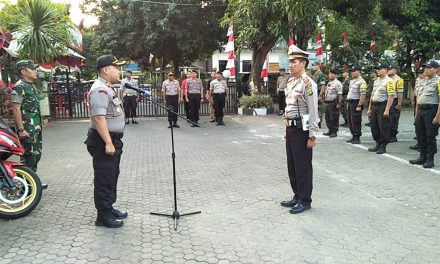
366,208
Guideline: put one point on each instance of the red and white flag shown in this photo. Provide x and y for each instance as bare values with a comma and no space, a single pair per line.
344,40
319,46
291,42
265,70
373,47
230,49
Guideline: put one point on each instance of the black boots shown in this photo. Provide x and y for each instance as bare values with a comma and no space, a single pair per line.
219,121
175,124
420,160
107,219
356,140
328,133
429,163
133,121
382,149
333,135
350,140
426,160
374,149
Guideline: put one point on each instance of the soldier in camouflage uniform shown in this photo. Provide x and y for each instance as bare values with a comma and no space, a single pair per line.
321,80
27,115
345,84
373,77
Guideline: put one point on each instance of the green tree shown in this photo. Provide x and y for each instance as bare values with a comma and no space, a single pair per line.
180,32
42,26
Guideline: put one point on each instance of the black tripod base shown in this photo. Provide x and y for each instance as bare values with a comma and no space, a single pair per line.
176,215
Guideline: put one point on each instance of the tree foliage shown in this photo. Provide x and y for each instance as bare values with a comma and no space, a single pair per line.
171,32
42,26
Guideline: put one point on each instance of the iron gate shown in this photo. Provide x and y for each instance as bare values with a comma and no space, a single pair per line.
69,101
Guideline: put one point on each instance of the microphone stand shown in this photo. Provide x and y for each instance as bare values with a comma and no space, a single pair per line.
175,215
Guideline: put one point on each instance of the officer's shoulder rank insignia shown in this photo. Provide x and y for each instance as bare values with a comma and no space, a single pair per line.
308,84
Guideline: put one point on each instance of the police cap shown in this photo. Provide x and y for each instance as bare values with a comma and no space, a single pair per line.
419,70
356,68
297,53
431,64
107,60
335,70
382,66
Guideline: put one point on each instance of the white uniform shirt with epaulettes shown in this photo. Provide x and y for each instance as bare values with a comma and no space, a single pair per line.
103,101
127,91
399,84
419,83
282,83
302,99
218,87
357,88
194,86
332,90
171,87
429,92
382,88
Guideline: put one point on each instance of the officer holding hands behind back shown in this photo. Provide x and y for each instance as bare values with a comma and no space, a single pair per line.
104,140
301,122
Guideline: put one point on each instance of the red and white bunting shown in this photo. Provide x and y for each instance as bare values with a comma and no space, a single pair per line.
265,70
230,49
319,46
291,42
373,47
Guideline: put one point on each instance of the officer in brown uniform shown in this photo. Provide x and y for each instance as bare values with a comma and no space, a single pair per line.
418,84
332,96
301,121
381,100
428,116
170,92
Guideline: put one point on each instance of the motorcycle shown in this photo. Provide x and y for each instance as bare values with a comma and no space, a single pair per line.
20,187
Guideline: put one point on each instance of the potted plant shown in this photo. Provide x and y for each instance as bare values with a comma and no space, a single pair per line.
255,105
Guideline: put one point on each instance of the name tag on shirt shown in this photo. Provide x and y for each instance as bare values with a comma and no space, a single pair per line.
117,101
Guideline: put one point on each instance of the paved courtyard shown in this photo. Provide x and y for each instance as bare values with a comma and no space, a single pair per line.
367,208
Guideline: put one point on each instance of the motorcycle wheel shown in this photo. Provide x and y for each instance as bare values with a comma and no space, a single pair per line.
14,209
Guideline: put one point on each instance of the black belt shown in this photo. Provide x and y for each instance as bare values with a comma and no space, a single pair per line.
428,106
352,100
219,93
117,135
130,95
379,103
171,94
329,102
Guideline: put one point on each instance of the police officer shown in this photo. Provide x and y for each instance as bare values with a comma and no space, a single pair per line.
104,140
301,120
27,114
428,116
397,103
183,92
281,86
194,95
211,99
355,103
382,98
418,84
218,88
171,91
332,96
131,97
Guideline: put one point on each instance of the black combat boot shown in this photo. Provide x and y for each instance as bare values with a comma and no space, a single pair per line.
374,149
328,133
350,140
175,124
170,124
393,140
107,219
127,121
217,121
429,161
420,160
333,135
221,121
415,147
382,149
133,121
356,140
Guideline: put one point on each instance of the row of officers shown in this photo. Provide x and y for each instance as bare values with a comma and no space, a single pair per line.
383,104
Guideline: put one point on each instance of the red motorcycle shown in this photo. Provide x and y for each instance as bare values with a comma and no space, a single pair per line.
20,187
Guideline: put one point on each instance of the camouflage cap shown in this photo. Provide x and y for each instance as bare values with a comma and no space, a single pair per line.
25,64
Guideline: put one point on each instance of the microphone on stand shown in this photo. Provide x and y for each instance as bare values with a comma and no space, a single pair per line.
127,85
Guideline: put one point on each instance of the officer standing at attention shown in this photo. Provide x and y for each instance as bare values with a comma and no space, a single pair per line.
373,77
194,95
27,114
428,116
319,78
418,84
171,91
218,88
104,140
355,104
397,103
382,98
281,86
210,98
301,120
131,98
345,87
332,95
183,92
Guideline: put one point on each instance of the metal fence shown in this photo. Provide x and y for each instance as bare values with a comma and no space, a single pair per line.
69,101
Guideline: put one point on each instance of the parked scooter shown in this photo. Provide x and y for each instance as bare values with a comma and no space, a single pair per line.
20,187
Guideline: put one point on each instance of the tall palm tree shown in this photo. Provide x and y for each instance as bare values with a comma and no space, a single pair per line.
43,30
